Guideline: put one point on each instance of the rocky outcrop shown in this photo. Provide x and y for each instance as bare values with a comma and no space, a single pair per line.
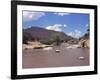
85,43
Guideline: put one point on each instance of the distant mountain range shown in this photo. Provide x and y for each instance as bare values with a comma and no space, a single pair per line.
37,33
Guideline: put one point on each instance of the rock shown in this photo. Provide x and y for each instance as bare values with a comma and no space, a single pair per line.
47,48
81,58
57,51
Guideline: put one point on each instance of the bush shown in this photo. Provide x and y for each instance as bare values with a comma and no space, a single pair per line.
53,39
57,40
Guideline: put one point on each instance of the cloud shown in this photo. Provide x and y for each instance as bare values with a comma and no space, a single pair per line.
56,27
61,14
27,16
76,33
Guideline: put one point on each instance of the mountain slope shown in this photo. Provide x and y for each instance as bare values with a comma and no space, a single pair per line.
37,33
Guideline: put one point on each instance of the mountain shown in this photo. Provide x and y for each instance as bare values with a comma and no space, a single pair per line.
86,35
41,34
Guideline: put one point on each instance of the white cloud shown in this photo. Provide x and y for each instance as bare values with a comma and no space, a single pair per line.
61,14
76,33
32,15
56,27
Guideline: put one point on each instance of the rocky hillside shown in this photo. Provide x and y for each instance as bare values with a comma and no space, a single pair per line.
43,35
85,40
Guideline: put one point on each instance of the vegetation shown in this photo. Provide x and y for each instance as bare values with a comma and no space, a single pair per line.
47,42
55,39
25,39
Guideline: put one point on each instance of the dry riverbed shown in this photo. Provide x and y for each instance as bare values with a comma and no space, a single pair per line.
48,57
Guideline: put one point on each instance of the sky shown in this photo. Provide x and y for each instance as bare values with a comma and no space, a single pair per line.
72,24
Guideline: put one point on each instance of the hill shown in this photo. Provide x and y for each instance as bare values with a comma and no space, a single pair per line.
43,35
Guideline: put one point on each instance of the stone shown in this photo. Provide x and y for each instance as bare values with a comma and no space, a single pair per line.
81,58
58,51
